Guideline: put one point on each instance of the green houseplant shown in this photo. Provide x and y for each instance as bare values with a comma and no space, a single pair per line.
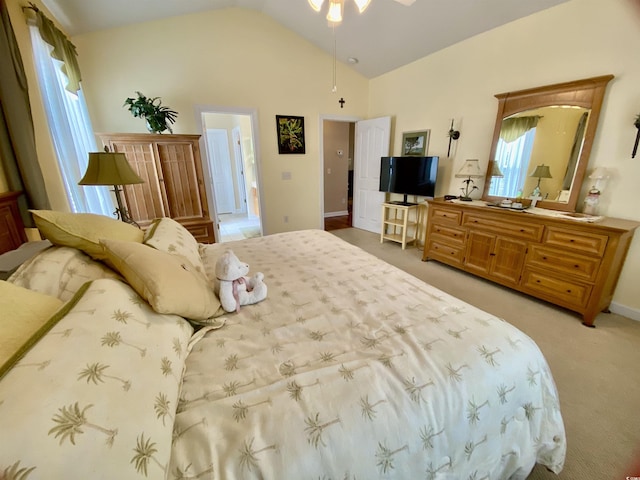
158,117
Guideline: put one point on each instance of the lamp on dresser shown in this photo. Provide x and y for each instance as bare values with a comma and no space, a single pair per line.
111,168
541,171
470,170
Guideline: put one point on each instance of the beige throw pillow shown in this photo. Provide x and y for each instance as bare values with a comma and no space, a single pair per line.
172,237
24,317
83,230
170,283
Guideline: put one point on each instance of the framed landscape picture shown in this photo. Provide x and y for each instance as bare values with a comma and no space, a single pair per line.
415,144
290,134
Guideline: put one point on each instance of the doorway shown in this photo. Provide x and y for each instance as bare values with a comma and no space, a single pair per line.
370,141
338,147
233,184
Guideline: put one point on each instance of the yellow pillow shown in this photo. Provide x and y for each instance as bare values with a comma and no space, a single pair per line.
25,316
83,230
170,283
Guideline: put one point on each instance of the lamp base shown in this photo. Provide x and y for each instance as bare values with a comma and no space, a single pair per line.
465,199
121,212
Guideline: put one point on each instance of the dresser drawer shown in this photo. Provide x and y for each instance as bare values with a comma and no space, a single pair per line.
584,242
524,230
580,266
445,252
448,234
445,216
555,289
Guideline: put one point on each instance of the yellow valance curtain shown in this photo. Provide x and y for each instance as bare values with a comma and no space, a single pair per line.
63,50
513,128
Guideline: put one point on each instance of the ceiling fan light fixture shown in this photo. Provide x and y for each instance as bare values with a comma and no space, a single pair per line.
316,4
362,4
335,11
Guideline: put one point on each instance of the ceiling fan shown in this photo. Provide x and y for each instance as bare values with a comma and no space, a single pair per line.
336,7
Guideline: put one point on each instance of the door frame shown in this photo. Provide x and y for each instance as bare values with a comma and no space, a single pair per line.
200,110
333,118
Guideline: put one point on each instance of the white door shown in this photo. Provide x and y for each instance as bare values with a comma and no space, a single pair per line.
241,181
221,176
371,142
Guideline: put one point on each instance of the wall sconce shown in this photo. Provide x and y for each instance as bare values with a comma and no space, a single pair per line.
635,145
453,135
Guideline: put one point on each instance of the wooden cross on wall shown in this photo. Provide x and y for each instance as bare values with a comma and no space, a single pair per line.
342,101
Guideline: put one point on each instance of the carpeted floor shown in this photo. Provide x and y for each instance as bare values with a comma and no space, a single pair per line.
597,371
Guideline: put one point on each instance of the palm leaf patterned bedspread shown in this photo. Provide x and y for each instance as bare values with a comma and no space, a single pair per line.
96,397
352,369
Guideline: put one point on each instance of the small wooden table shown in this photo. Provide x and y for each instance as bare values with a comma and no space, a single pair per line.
396,223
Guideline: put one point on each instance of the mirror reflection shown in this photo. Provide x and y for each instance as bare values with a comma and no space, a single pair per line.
537,153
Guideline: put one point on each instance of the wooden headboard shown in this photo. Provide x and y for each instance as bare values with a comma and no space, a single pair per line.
12,233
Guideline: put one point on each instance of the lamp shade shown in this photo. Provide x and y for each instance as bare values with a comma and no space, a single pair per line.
495,170
109,168
316,4
362,4
470,168
335,11
541,171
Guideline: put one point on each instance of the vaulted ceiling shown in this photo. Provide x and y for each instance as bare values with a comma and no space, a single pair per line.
386,36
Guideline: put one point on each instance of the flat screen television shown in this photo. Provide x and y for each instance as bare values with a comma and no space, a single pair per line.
409,176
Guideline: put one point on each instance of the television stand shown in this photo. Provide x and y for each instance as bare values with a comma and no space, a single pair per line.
396,223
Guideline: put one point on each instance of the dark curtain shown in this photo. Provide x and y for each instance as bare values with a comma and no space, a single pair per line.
17,138
575,152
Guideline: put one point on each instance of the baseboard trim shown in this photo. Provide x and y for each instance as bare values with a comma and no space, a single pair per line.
632,313
344,213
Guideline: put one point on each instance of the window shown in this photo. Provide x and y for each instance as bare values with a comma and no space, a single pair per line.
70,129
513,160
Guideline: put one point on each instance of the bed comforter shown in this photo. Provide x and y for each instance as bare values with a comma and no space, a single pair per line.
354,369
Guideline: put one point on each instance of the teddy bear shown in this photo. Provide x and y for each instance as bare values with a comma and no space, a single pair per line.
233,287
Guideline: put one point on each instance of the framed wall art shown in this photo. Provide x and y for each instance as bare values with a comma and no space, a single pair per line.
415,144
290,134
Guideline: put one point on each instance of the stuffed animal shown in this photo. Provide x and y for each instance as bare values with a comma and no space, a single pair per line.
233,287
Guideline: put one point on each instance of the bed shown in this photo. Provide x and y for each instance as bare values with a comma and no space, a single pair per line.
351,368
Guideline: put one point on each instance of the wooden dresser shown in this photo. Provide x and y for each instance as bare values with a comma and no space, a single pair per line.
573,264
171,168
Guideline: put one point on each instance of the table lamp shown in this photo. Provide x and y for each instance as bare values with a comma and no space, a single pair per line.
541,171
470,169
111,168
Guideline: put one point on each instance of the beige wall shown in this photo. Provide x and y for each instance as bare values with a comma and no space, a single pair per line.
336,137
231,57
575,40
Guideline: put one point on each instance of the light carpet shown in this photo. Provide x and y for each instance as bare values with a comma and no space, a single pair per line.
596,369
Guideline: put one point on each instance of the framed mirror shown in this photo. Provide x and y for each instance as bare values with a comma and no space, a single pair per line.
542,141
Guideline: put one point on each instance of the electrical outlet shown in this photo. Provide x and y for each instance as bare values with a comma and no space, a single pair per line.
340,153
328,171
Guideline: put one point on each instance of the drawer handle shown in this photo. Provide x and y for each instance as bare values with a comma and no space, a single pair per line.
544,258
576,266
572,240
568,291
522,230
537,281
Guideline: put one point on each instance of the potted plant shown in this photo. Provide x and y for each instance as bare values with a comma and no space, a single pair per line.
158,117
